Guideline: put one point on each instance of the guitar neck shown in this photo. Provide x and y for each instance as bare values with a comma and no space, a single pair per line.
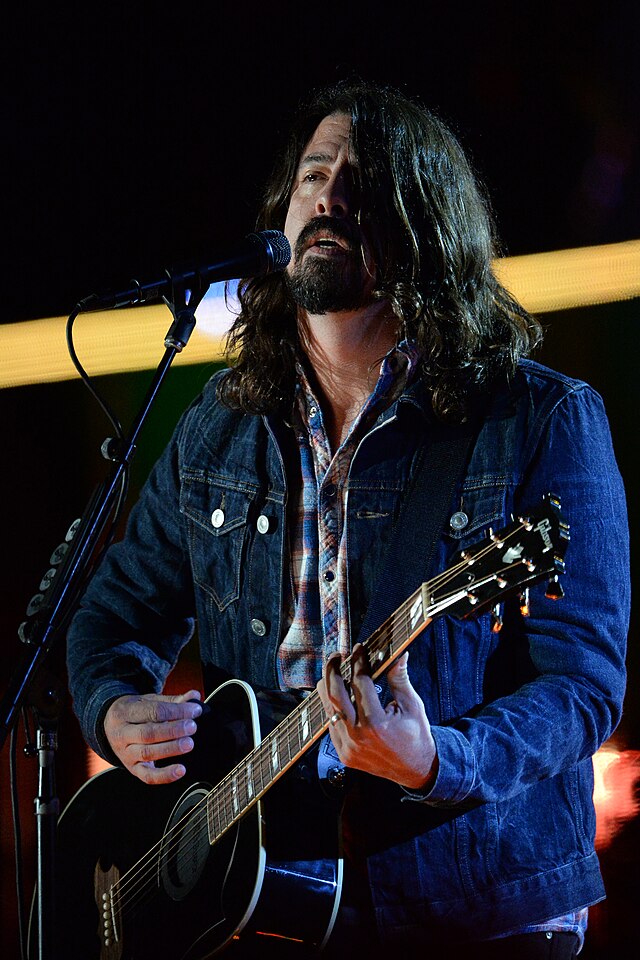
282,748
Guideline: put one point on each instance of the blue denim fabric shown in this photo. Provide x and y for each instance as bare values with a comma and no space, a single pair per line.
505,836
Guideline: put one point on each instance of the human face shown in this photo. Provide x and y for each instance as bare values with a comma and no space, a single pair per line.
330,269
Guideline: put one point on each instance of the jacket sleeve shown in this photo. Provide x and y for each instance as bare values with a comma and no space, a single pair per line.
576,646
137,612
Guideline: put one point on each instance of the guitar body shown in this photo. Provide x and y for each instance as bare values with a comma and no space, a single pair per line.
275,873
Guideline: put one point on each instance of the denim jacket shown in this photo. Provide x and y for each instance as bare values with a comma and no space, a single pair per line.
505,836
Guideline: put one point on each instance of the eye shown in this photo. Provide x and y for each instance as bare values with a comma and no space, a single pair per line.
310,177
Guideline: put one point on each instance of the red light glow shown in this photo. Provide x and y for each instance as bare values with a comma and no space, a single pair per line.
616,777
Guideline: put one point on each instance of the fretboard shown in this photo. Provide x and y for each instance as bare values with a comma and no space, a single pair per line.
258,771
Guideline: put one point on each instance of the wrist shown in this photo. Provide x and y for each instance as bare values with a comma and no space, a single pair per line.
421,787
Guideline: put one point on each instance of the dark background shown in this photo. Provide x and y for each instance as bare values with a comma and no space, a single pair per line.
138,135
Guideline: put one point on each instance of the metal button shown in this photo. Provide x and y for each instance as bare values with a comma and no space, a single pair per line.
58,554
73,529
46,581
459,520
34,604
263,523
217,518
336,776
259,627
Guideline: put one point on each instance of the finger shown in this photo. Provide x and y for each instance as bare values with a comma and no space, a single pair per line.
337,695
190,695
399,671
157,733
155,708
149,773
152,752
400,686
367,701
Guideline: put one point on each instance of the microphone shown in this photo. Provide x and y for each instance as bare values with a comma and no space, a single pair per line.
255,256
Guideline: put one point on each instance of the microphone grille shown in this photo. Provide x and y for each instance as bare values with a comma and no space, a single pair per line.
277,247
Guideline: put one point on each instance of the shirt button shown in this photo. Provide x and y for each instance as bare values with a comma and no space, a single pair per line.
459,520
329,576
263,523
217,518
330,490
259,627
313,411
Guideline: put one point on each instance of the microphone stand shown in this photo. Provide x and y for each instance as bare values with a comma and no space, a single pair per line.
30,684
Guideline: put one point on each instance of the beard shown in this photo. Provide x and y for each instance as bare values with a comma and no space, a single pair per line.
328,284
320,285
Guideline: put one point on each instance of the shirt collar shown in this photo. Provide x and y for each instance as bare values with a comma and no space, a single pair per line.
397,372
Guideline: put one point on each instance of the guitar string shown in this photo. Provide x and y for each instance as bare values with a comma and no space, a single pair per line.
232,793
189,832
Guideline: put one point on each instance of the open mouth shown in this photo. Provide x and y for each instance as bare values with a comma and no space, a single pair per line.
328,245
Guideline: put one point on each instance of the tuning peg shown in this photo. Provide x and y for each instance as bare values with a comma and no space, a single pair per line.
554,589
496,619
525,609
526,523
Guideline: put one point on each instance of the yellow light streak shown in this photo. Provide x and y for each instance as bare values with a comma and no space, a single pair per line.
35,351
580,277
107,342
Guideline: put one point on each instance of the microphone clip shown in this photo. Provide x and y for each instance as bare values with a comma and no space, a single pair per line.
183,301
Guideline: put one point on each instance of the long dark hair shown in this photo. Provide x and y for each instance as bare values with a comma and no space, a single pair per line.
433,246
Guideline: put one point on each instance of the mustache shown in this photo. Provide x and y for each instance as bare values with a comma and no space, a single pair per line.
331,228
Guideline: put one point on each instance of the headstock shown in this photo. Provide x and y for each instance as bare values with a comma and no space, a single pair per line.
530,549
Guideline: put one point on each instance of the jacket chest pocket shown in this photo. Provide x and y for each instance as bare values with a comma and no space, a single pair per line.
217,526
481,504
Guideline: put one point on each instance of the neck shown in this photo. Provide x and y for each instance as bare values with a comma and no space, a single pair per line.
344,350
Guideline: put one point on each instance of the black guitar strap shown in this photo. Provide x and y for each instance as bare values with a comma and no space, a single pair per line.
415,534
420,522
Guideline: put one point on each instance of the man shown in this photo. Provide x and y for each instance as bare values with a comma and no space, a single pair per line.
470,820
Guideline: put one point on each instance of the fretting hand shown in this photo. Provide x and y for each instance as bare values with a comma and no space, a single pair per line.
395,741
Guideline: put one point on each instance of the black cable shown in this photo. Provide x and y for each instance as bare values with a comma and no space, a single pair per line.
17,840
109,413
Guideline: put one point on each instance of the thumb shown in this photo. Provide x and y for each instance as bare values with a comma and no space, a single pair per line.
190,695
400,685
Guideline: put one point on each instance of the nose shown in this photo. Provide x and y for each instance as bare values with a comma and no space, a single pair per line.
333,200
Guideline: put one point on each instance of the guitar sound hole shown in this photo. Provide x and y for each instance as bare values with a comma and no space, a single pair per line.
185,845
